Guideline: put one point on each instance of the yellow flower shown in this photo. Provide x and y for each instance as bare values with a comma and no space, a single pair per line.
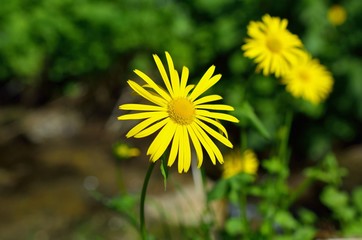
236,163
123,151
272,46
181,115
337,15
309,80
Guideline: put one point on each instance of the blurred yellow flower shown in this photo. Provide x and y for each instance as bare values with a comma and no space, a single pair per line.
272,46
124,151
236,163
309,80
181,115
337,15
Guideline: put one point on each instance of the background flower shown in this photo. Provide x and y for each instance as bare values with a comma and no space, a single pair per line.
236,163
272,46
309,80
337,15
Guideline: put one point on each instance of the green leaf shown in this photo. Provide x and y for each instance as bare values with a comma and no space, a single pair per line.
246,110
306,216
334,198
353,229
233,226
219,190
285,220
357,198
164,172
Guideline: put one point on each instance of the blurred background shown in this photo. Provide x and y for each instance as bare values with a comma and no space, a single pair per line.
63,71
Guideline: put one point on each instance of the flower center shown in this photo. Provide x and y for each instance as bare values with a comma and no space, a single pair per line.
304,76
181,110
274,44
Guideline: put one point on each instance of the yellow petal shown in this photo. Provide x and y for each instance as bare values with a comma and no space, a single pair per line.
143,115
141,107
209,98
147,95
163,140
221,107
215,123
221,116
210,144
153,85
196,144
163,73
152,129
215,134
186,149
197,91
204,143
142,125
173,75
174,147
184,78
181,152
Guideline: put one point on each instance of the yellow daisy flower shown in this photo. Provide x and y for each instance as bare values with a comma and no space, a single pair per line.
337,15
181,115
309,80
236,163
272,46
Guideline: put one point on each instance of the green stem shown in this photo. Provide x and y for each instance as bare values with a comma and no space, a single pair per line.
283,154
243,140
243,214
143,198
300,190
120,182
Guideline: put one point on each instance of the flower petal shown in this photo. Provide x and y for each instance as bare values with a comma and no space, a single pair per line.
204,143
161,141
209,98
210,144
143,115
141,107
215,134
221,107
221,116
147,95
173,75
142,125
196,144
153,85
163,73
152,129
186,149
175,146
215,123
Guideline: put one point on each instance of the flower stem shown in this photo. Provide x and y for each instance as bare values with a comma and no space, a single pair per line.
143,198
243,214
283,154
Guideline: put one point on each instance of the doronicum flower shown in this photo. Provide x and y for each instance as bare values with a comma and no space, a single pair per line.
236,163
337,15
272,46
309,80
182,117
124,151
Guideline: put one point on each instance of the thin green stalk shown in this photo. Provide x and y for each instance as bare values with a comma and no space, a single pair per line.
120,182
283,150
300,189
143,198
243,140
243,213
